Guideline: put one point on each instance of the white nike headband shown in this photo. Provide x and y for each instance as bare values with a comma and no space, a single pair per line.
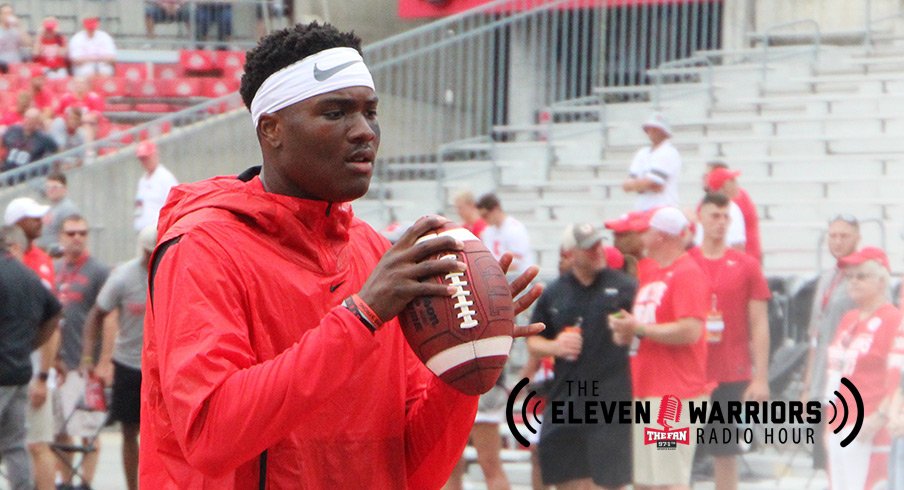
326,71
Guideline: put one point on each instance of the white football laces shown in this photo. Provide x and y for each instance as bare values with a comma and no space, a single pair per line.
461,297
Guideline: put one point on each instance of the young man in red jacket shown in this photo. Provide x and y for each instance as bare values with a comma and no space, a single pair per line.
267,361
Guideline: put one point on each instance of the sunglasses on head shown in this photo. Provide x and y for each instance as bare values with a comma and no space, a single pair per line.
847,218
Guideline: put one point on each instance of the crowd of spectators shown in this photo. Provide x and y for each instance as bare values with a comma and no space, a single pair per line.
59,75
52,240
56,109
679,309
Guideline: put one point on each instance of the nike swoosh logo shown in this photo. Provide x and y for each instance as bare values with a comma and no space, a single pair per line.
321,75
334,287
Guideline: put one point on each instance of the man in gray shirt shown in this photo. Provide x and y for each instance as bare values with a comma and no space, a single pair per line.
61,207
830,303
79,277
124,291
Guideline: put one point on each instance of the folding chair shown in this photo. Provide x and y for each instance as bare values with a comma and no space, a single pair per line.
82,423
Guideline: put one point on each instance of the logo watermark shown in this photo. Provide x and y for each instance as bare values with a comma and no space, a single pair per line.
591,411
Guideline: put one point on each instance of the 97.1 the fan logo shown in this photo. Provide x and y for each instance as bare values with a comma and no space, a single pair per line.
783,421
668,437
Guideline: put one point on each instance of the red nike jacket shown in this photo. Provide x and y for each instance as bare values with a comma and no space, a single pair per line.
255,375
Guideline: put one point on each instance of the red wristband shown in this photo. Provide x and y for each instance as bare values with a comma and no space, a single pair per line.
368,313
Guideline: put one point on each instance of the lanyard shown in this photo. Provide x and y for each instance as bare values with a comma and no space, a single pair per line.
831,289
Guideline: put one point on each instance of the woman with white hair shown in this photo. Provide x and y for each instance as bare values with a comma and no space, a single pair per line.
862,352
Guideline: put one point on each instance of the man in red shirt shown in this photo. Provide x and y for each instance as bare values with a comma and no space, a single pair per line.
272,355
721,179
41,96
50,49
26,213
669,314
82,96
466,206
737,328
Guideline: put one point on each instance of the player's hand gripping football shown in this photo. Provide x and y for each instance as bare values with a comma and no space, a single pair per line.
395,281
518,286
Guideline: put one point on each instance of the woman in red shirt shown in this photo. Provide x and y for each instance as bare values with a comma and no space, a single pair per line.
862,351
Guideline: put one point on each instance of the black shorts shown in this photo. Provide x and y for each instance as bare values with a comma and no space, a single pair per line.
126,406
602,453
723,394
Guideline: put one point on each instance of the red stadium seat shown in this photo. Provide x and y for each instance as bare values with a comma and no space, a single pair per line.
7,99
230,60
197,61
168,71
58,85
111,87
132,71
10,83
234,73
218,87
146,89
24,70
182,87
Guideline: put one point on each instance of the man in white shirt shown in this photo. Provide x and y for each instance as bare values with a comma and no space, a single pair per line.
153,186
655,169
505,234
92,51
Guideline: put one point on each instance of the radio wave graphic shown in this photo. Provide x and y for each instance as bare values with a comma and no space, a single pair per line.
858,401
510,412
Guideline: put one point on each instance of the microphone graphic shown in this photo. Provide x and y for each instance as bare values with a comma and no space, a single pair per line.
669,409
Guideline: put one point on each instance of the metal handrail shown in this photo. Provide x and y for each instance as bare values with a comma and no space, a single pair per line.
458,146
870,23
45,165
766,36
692,61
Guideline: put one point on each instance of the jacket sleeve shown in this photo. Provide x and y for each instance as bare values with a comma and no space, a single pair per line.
225,407
439,421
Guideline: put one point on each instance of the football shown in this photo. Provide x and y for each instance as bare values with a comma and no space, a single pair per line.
464,338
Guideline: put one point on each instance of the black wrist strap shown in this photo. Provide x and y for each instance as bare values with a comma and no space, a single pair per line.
349,303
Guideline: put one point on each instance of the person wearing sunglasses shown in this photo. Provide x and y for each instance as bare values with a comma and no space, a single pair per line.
862,351
80,277
830,303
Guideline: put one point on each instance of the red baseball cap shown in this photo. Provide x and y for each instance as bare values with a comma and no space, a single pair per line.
614,258
864,254
718,177
91,23
633,221
145,148
51,24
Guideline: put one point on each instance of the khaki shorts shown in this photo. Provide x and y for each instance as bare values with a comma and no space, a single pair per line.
654,466
40,421
491,407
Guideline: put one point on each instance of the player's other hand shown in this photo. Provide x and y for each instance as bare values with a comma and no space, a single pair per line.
522,303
